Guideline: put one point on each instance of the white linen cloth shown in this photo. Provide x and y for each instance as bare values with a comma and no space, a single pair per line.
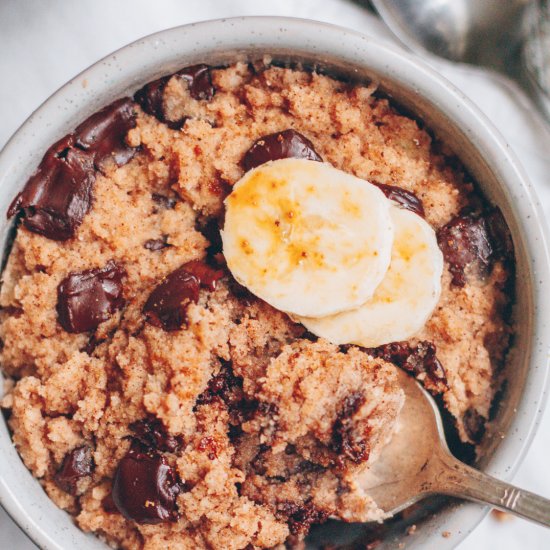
44,43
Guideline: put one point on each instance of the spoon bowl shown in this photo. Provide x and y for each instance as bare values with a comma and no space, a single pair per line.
417,463
480,32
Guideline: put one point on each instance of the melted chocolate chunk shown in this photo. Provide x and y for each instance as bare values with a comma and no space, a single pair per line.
211,230
167,304
108,504
474,425
347,443
280,145
145,488
227,388
59,194
418,360
499,232
151,434
86,299
224,386
103,135
151,96
465,243
156,244
300,518
207,276
77,464
404,198
199,81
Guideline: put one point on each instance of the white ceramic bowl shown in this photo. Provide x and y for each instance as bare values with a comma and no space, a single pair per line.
348,54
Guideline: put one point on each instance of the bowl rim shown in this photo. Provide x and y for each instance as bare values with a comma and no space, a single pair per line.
283,31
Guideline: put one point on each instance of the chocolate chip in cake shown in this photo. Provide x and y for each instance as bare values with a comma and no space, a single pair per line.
474,425
224,386
348,442
402,197
156,244
280,145
108,504
301,517
59,194
163,201
145,488
465,244
88,298
167,304
206,275
104,133
420,359
151,434
77,464
199,81
151,96
499,232
211,231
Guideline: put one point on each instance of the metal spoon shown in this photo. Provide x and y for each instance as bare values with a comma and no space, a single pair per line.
480,32
417,463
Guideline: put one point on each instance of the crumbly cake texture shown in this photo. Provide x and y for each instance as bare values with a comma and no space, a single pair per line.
270,424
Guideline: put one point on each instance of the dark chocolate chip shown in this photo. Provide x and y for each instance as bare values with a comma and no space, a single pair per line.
418,360
474,425
301,517
86,299
465,243
498,399
167,304
500,235
211,230
404,198
109,505
151,434
59,194
164,201
145,488
156,244
199,81
280,145
92,344
104,133
12,311
151,97
224,386
77,464
346,441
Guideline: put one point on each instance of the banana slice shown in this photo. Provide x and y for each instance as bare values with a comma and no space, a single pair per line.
404,300
307,238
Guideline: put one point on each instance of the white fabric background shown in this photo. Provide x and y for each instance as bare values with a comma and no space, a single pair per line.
44,43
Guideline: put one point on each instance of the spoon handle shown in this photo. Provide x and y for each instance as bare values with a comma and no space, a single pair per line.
458,479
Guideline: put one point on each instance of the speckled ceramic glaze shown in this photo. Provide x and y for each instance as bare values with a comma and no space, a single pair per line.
444,109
